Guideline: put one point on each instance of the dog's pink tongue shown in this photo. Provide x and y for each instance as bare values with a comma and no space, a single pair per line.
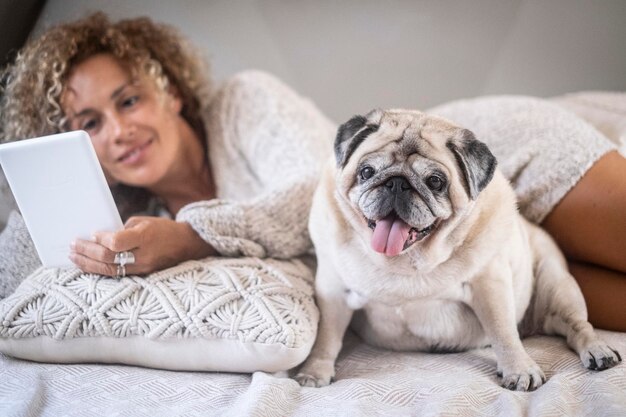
389,235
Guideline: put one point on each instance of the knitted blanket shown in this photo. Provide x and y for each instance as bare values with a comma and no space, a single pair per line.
369,382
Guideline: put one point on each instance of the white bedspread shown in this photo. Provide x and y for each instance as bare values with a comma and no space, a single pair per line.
370,382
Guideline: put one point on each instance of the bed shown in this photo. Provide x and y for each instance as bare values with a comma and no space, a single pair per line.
369,382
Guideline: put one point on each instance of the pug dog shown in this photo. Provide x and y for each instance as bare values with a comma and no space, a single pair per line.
420,246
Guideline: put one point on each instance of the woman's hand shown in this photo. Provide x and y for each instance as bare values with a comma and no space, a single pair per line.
155,242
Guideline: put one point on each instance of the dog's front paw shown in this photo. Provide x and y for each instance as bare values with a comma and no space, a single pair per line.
599,356
527,376
316,373
312,381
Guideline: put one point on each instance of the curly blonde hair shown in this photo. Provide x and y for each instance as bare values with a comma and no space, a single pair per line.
33,85
31,88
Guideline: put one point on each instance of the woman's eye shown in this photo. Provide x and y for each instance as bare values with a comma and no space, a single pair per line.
130,101
367,173
89,124
435,183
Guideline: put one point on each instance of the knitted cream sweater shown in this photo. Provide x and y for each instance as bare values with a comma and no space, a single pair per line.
266,145
542,148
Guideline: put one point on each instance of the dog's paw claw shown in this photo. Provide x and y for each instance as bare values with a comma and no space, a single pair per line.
316,373
600,357
311,381
526,380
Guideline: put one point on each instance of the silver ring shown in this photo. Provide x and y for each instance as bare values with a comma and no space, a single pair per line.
121,271
124,258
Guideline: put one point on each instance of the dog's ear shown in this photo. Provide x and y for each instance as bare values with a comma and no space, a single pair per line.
476,161
352,133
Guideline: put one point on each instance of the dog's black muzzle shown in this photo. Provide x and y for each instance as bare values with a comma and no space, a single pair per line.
397,197
398,185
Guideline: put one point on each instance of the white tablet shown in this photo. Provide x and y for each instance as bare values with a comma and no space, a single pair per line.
61,192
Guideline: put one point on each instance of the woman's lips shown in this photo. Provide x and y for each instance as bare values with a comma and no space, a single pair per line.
135,155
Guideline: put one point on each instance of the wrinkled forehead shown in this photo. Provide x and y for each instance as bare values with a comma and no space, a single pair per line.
414,127
405,132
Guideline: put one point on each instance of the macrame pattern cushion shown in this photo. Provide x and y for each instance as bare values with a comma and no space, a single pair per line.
238,315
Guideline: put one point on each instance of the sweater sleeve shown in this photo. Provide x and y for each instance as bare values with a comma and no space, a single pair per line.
279,140
18,257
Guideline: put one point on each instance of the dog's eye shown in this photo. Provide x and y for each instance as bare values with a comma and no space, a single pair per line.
435,183
367,173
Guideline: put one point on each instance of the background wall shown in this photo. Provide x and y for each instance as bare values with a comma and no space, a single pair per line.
352,55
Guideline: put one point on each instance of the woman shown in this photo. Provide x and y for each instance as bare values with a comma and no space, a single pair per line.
138,89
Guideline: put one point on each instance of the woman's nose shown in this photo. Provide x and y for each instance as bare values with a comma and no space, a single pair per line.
121,130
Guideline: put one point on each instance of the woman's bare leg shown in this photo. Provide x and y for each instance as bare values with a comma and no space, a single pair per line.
589,225
605,294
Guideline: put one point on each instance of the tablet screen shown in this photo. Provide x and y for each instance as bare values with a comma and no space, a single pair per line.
61,192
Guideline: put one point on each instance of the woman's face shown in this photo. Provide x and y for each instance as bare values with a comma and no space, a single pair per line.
135,128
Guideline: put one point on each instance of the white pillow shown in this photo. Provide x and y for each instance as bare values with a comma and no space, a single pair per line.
233,315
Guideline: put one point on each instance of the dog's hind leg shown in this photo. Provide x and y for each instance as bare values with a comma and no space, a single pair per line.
559,306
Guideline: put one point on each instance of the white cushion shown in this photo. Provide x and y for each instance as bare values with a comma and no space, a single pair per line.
234,315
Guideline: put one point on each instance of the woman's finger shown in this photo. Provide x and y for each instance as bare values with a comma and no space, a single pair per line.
92,266
127,239
93,250
135,220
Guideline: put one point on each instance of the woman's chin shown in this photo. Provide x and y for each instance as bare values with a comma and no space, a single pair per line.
141,179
